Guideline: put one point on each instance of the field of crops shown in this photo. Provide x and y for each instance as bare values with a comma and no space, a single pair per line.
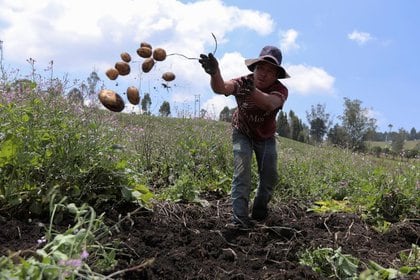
408,145
90,194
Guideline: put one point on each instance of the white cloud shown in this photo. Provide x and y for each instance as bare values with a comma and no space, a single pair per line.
81,36
81,33
360,37
309,80
233,65
288,40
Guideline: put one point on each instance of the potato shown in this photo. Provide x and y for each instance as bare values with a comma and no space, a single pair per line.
133,95
144,52
126,57
112,73
145,44
168,76
123,68
159,54
147,64
111,100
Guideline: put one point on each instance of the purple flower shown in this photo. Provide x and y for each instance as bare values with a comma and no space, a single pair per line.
84,255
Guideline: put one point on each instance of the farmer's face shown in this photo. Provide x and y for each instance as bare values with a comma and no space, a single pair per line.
265,74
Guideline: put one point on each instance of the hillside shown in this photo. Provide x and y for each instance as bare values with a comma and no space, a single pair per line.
90,194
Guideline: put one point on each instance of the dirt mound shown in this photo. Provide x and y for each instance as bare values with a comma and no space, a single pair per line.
184,241
188,241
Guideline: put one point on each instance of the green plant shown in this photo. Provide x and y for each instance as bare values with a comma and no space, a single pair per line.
68,255
412,258
391,205
409,263
377,272
49,146
183,189
331,206
330,263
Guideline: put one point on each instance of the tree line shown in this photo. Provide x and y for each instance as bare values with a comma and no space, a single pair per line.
353,132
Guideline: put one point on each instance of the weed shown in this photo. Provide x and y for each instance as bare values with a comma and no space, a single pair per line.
331,263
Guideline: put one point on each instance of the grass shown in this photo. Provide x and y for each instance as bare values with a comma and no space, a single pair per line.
58,156
408,145
49,144
322,173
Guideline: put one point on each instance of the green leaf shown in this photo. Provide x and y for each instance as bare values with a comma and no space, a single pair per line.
331,206
8,150
121,164
142,194
142,189
127,193
408,269
25,118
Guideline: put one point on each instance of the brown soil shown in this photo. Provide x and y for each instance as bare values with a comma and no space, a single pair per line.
188,241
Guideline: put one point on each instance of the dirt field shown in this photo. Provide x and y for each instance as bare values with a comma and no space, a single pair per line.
187,241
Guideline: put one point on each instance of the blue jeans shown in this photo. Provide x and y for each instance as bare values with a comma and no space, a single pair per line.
266,156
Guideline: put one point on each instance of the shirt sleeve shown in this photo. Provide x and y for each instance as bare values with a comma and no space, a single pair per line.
282,92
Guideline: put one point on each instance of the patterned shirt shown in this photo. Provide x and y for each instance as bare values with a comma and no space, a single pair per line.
254,122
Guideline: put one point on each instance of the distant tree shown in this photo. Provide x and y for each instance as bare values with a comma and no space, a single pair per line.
165,109
92,81
370,133
337,136
296,126
317,130
304,133
398,142
146,102
413,134
203,113
319,122
84,90
389,133
283,128
356,123
379,136
75,96
225,115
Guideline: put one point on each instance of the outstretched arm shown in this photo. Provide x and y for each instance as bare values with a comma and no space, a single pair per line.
217,83
265,101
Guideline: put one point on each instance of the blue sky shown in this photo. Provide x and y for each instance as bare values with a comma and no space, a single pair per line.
363,49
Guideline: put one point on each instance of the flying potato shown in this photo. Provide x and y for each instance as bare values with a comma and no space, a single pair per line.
126,57
144,52
145,44
112,73
159,54
123,68
133,95
147,64
168,76
111,100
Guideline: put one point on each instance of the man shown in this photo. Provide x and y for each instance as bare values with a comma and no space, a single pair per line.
259,96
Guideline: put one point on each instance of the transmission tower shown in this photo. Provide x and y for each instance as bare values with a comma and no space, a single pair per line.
1,52
1,56
2,74
196,105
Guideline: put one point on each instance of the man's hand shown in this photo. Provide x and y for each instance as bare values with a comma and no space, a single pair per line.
245,86
209,63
